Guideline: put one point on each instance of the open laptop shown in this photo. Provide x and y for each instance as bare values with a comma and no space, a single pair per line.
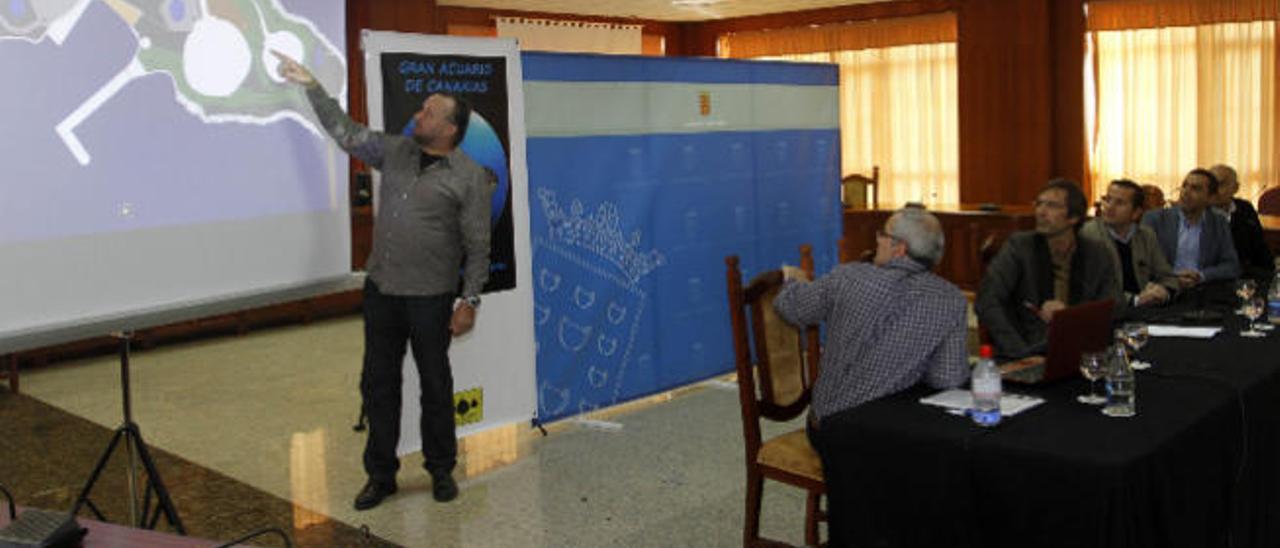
1073,331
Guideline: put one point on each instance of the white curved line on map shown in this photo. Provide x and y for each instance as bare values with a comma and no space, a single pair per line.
61,27
67,126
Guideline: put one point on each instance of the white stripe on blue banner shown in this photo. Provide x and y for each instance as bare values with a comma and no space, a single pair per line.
564,109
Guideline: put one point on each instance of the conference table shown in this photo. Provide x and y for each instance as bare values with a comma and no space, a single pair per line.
1199,466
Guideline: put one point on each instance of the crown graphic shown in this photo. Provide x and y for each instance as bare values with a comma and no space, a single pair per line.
600,233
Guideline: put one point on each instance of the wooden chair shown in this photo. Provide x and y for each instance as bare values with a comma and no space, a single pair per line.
776,385
1269,202
986,252
853,190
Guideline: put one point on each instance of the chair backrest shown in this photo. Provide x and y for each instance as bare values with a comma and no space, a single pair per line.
853,190
1269,202
987,251
1152,197
776,362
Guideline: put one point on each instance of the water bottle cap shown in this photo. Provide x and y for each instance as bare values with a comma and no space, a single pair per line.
985,351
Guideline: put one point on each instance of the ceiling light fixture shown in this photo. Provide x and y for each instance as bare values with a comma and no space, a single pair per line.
695,3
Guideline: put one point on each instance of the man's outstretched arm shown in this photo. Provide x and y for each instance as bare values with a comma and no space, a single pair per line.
359,141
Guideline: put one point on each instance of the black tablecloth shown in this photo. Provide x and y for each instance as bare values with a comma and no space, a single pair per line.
1198,467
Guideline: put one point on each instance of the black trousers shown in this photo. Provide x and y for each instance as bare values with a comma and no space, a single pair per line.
390,324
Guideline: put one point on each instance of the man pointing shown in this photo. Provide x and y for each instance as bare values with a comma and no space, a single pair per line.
433,213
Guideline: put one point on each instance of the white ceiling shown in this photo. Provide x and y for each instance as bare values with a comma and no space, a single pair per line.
662,10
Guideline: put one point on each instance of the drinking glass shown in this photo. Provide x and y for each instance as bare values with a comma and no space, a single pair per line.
1135,337
1245,289
1253,309
1093,367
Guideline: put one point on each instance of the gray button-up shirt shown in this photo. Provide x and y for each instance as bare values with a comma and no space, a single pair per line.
428,219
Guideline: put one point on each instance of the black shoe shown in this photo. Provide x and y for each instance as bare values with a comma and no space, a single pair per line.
443,488
373,493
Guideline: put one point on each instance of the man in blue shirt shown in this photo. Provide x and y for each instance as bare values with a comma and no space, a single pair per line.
1196,242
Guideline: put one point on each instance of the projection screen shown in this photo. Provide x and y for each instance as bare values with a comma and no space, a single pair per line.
156,167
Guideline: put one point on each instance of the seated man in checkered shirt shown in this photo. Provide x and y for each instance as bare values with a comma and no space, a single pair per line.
890,324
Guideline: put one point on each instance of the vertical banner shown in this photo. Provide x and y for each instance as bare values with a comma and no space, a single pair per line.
409,78
493,366
645,173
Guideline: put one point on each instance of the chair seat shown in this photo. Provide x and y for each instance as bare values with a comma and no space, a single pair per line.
791,452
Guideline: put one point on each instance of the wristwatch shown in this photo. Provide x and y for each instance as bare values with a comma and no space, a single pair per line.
472,300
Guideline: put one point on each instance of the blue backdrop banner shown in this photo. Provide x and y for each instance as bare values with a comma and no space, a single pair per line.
644,174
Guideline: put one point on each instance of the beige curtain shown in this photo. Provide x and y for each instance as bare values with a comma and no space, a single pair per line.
571,36
898,107
1175,98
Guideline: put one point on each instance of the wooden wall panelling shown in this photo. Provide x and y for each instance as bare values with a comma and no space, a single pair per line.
1005,99
821,16
700,38
860,227
1021,97
1070,149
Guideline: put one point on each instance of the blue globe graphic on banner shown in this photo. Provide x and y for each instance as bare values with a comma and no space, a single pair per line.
483,145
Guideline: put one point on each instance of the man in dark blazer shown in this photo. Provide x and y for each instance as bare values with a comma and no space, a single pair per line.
1040,272
1256,260
1196,241
1146,279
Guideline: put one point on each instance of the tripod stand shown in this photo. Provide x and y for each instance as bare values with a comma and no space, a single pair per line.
139,516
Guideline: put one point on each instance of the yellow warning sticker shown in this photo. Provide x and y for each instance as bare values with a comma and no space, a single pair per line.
468,406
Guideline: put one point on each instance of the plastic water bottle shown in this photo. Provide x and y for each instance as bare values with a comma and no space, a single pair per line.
985,385
1121,385
1273,300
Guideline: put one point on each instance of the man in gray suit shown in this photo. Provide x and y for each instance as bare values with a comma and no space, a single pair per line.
1040,272
1145,275
1196,242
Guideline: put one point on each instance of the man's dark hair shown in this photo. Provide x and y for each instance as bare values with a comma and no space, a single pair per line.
1076,203
1139,197
460,117
1213,179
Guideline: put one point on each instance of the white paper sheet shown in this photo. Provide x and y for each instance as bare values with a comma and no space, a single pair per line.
959,399
1182,331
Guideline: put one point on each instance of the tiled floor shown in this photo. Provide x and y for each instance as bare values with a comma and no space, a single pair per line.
274,409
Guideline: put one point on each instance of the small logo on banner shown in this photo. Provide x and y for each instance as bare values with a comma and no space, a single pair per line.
704,103
468,406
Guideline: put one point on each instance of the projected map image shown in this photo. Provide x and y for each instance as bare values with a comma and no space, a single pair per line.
126,114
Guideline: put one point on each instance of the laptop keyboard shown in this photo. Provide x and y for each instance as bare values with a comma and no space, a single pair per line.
33,527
